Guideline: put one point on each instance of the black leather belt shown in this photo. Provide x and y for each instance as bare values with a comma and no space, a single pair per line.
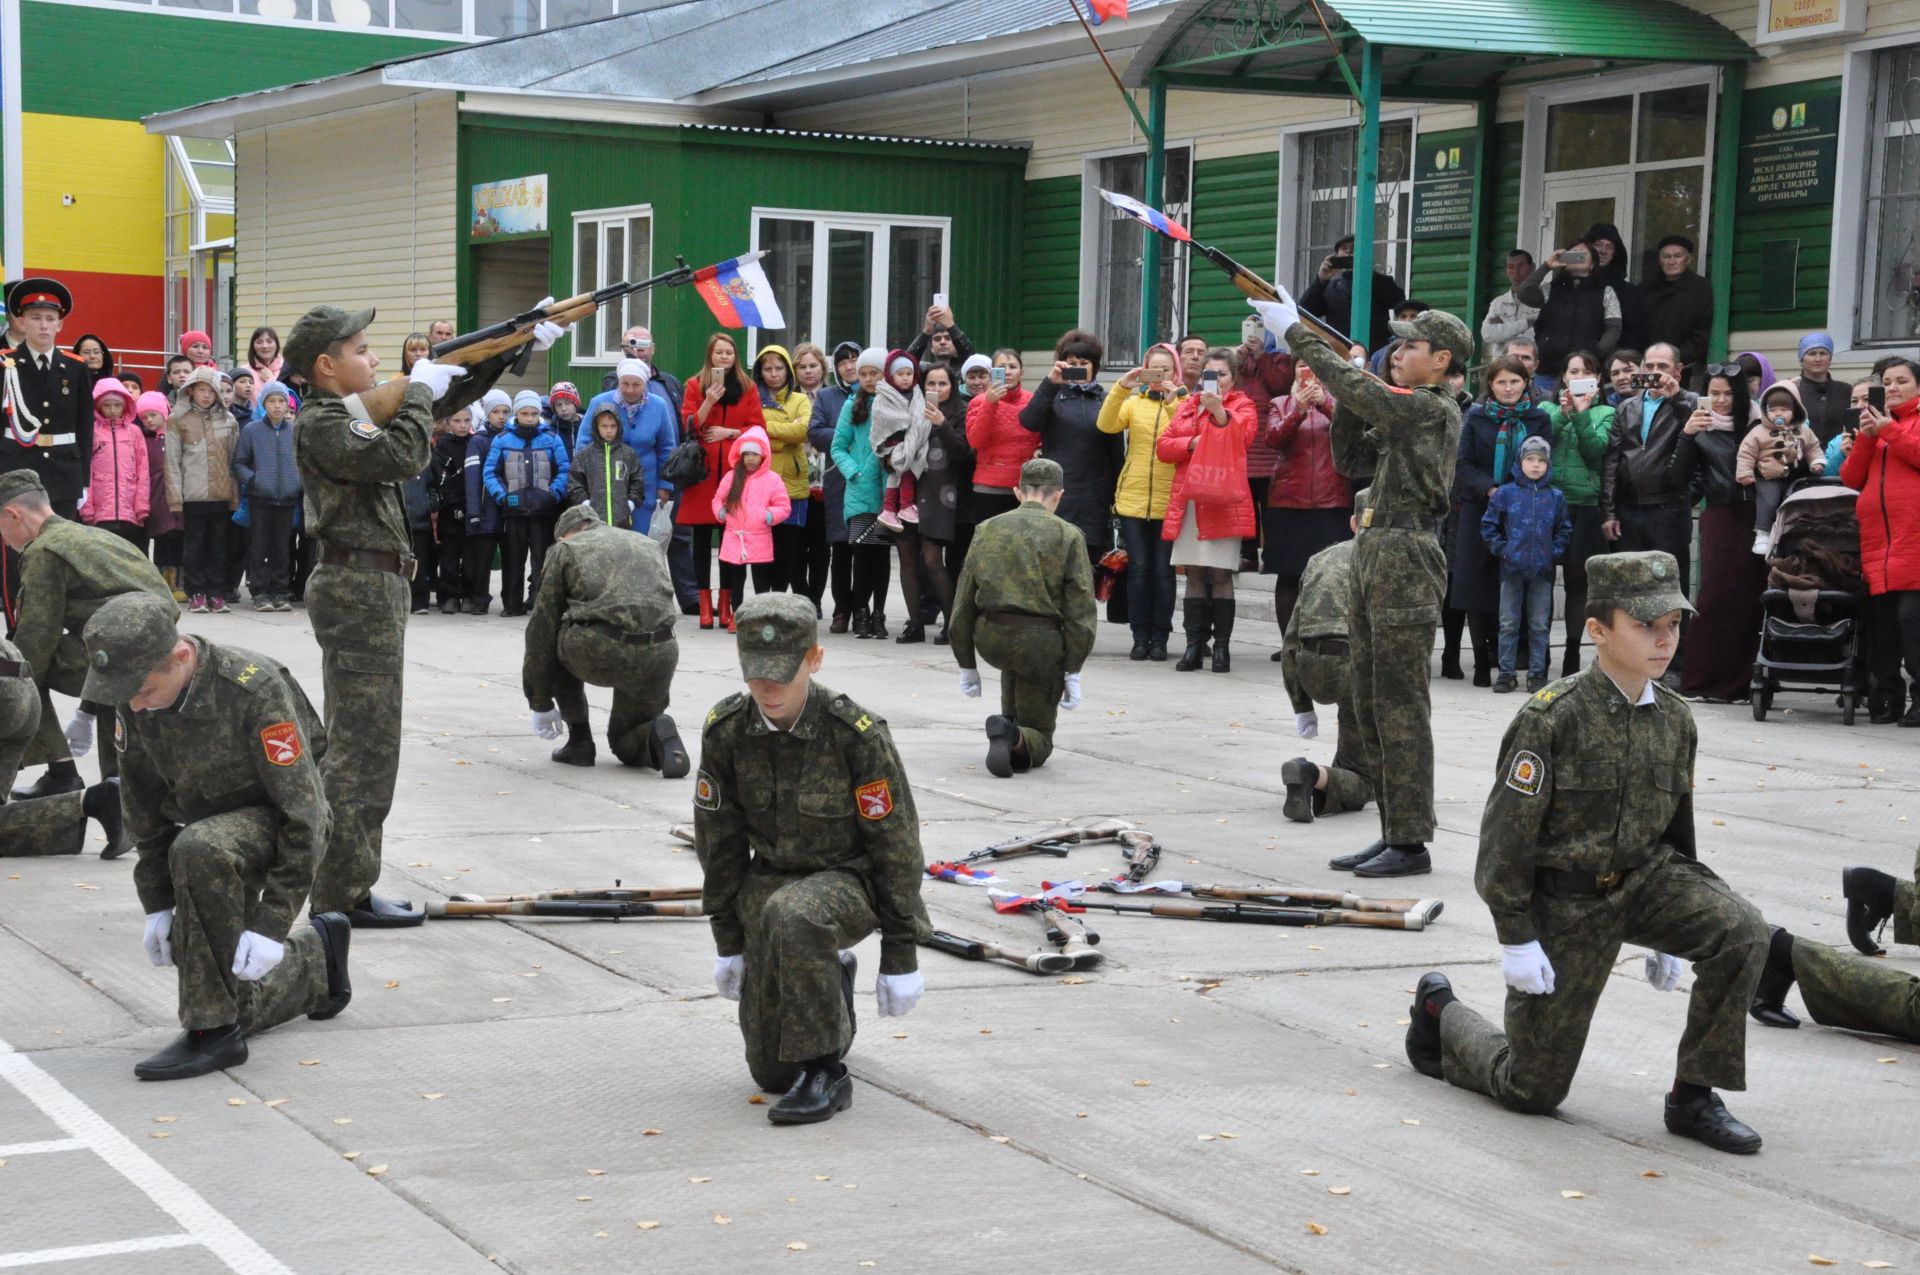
369,560
1561,881
618,634
1374,520
1021,620
1327,646
14,668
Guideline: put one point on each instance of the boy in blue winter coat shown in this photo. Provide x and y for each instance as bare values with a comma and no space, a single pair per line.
483,512
1528,528
526,473
269,481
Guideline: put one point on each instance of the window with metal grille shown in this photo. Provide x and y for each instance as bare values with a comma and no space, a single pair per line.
611,245
1119,253
1889,309
1325,199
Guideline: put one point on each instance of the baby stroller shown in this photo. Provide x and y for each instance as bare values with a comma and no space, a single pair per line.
1810,612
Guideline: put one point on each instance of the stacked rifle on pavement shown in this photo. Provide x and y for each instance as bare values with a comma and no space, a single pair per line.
612,903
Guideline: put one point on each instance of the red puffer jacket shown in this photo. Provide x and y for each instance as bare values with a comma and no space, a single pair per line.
1221,520
1885,470
1303,472
1001,444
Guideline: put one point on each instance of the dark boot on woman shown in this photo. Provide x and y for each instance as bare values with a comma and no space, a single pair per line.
1222,609
877,627
914,631
1198,623
862,623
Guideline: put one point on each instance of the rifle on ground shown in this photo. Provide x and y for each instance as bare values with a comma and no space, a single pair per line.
613,894
579,909
1254,914
1075,941
980,950
1293,896
1055,842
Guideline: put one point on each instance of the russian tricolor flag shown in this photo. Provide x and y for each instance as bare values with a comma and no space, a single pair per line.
738,293
1104,9
1149,217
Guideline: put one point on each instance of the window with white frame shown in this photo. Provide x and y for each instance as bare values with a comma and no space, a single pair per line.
198,237
1889,306
1324,198
1118,252
851,276
611,245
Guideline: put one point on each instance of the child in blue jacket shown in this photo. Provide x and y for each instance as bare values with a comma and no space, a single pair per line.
1528,528
526,474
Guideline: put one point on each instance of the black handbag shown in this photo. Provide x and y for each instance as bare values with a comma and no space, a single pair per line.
686,465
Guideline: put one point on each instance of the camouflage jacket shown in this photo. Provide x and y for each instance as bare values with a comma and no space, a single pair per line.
243,735
830,793
1405,441
68,573
601,575
1326,596
1030,561
1588,782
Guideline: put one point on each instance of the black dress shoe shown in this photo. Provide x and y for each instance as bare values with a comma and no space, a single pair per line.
1706,1119
376,913
1869,893
195,1053
1139,651
577,751
336,932
1776,979
941,638
1451,670
913,632
816,1096
1912,716
1300,776
862,623
102,804
1348,862
51,785
1002,734
668,752
1482,677
1396,861
1157,650
1423,1025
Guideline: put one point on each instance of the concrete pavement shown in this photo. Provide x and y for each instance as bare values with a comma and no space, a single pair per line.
1211,1099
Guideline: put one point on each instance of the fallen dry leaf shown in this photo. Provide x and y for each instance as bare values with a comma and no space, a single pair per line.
867,1263
1070,982
1316,1228
649,1133
582,1199
1818,1260
721,1219
798,1246
159,1133
349,1155
1142,1084
648,1226
899,1035
1719,823
1573,1195
1309,1173
1653,1173
822,1177
698,1181
277,1102
1205,1137
1886,1060
392,983
376,1170
236,1102
343,1119
1409,1122
1000,1138
1872,1266
165,1119
1229,1135
599,1235
1339,1190
502,1000
432,1097
309,1062
596,1173
757,1100
420,863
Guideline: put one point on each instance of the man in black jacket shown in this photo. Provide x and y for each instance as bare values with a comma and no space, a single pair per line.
940,340
1331,297
1645,501
1679,304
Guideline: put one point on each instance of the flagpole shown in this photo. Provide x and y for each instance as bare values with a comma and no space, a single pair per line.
1124,95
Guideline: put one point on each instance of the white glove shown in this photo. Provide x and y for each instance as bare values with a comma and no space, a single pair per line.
255,956
727,973
546,724
898,993
1277,315
1527,968
1306,725
545,334
159,931
1663,971
1071,699
970,683
435,376
80,734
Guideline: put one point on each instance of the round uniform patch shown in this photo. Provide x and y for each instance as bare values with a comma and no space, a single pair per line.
281,743
1527,773
1657,570
365,429
875,799
768,633
706,793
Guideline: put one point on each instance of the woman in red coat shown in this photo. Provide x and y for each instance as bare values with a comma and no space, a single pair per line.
1001,444
1206,532
721,405
1884,467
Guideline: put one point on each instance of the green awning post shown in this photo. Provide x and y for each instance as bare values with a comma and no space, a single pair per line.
1726,174
1481,234
1155,193
1366,185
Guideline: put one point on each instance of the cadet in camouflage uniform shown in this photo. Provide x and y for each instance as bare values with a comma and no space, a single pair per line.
1840,989
1405,440
806,831
358,594
43,825
1316,665
1587,843
219,753
604,616
1024,604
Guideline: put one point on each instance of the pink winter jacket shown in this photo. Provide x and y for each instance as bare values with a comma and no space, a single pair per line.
748,534
118,489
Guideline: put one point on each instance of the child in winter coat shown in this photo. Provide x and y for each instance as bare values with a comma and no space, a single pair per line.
750,501
200,487
563,409
1770,453
483,511
269,478
118,486
449,485
606,474
150,411
898,431
1528,528
526,472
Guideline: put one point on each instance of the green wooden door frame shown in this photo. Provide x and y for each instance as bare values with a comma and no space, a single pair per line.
1366,186
1726,172
1484,183
1155,197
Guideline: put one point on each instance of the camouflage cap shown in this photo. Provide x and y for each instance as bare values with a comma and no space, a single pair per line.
1041,472
126,640
1440,330
317,329
574,519
1645,585
775,632
16,483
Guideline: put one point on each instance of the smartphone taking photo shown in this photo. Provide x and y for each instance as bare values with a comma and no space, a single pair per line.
1581,386
999,375
1076,373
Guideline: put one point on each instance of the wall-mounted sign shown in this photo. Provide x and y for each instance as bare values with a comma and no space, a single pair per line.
1788,144
517,206
1443,172
1783,20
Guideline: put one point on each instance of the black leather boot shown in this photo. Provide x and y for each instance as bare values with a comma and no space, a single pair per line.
1431,995
862,623
1870,895
195,1053
376,913
1002,735
669,754
1704,1118
1222,610
336,933
579,749
1300,776
1198,623
1769,998
102,804
59,777
823,1089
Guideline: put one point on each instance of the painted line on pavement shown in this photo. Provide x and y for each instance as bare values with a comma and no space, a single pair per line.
146,1244
41,1148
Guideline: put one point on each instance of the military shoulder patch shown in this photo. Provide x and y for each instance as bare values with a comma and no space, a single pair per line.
706,793
1526,773
1546,696
281,743
875,800
853,715
365,429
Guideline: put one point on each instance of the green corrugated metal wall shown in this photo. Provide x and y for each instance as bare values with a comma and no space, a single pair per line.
1236,208
1049,262
703,187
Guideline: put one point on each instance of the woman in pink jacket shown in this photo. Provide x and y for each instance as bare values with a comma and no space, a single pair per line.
749,502
1206,530
118,484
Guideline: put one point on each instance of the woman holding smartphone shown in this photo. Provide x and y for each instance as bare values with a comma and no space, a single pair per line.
1208,513
1001,444
720,405
1139,407
1582,426
1064,414
1725,630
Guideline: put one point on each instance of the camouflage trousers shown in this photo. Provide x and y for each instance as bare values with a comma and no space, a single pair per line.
1906,910
791,1004
641,678
46,825
1399,580
1328,679
67,675
1033,677
360,620
1857,993
1670,904
218,866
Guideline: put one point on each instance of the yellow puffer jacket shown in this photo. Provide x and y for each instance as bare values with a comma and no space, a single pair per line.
1145,480
787,414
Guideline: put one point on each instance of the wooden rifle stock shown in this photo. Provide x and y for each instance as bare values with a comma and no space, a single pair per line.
977,950
1257,914
1260,290
583,909
610,894
1075,941
1285,895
